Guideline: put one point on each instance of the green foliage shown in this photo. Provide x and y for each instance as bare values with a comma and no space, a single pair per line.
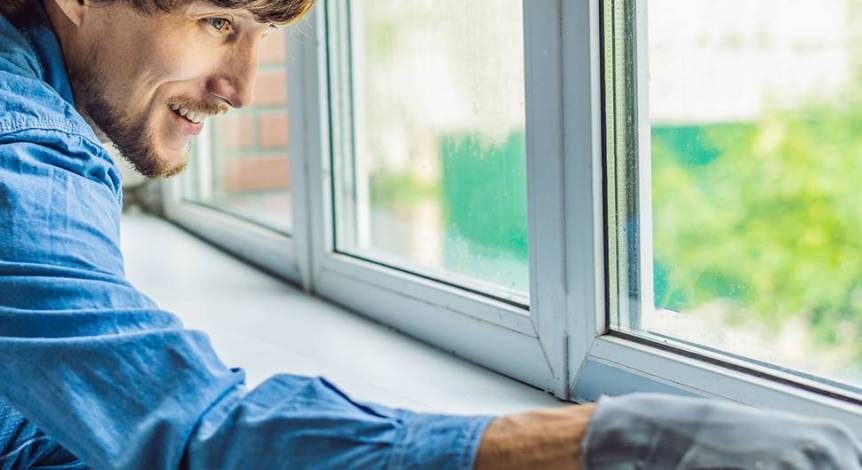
766,216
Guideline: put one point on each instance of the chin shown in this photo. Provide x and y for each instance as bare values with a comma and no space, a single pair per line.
174,166
158,165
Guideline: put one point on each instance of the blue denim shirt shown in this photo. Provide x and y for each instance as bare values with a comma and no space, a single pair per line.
93,365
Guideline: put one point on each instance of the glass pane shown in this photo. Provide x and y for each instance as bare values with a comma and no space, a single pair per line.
436,181
242,167
755,116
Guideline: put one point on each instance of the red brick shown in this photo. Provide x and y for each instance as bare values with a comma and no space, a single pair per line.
270,89
234,131
257,173
272,48
272,130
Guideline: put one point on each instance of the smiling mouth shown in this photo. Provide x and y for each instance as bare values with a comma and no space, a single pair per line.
193,117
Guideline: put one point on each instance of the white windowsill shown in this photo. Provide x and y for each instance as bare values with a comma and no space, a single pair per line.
267,327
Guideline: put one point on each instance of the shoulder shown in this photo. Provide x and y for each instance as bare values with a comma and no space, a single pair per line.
38,127
27,100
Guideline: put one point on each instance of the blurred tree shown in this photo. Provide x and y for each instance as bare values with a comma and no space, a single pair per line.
765,217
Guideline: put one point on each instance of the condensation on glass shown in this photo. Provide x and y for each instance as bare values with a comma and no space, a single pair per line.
735,162
433,177
240,164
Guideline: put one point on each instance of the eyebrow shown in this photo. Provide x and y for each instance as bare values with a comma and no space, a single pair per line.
203,7
244,14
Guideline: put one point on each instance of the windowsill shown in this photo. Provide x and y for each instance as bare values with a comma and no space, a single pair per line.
267,327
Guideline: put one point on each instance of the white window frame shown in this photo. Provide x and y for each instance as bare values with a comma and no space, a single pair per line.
496,334
563,344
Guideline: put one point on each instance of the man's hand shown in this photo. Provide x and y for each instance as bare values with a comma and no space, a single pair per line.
666,432
546,438
678,433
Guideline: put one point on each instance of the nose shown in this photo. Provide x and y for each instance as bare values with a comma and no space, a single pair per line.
234,82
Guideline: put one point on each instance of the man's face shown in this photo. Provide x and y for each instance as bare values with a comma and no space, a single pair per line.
148,82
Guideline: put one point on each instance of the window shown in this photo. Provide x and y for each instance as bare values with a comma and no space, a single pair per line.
592,197
238,191
242,165
433,177
748,172
421,206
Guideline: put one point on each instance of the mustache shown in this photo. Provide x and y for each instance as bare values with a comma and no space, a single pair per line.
198,106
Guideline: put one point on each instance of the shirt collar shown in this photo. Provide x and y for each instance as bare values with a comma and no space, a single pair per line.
36,27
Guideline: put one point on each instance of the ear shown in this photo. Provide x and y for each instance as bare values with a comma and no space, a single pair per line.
74,10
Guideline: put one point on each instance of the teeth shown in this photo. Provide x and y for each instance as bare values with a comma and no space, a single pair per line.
193,116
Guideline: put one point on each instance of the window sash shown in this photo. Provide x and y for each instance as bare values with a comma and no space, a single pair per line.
526,344
617,362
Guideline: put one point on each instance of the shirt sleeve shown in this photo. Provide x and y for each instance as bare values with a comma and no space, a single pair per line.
121,384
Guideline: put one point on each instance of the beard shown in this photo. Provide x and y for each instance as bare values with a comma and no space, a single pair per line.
132,138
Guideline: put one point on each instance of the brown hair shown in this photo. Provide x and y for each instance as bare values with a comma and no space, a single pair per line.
265,11
10,8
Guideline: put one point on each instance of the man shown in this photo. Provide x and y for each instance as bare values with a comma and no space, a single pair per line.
95,375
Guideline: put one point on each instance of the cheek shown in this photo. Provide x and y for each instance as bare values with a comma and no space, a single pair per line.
181,57
158,67
166,61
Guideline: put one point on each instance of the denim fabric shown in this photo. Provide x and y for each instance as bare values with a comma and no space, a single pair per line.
97,366
24,446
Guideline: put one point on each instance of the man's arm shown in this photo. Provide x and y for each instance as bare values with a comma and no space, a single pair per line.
99,368
666,432
549,438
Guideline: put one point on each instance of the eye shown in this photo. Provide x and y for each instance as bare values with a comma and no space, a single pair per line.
219,24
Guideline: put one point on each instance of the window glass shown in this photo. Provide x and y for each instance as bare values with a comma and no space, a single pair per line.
436,180
241,163
755,162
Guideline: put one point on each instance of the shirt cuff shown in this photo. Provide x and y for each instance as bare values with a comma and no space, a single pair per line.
438,441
